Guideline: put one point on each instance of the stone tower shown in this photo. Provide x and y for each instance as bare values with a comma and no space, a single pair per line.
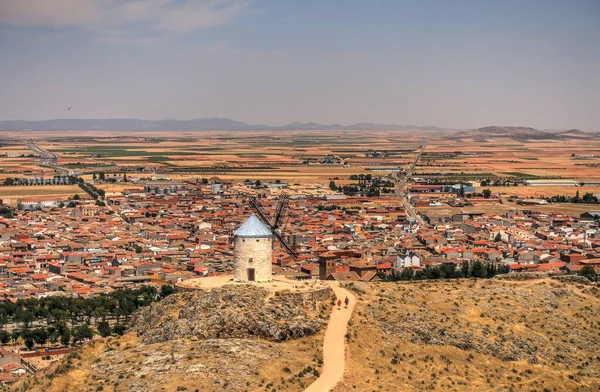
326,265
253,252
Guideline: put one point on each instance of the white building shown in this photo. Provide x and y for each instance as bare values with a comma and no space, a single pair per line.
253,252
409,260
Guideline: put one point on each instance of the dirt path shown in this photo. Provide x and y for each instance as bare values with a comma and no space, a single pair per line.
334,343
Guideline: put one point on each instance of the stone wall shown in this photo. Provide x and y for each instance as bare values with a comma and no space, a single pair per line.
307,299
260,250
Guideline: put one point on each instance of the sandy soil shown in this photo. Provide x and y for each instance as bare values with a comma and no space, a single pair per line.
334,361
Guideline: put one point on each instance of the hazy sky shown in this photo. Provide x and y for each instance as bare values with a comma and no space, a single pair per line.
448,63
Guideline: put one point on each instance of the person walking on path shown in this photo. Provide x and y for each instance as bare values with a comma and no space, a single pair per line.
339,303
347,301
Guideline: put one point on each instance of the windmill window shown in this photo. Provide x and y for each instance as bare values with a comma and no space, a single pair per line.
257,240
250,260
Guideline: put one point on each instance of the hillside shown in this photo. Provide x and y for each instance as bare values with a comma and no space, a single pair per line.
517,133
462,335
233,338
475,335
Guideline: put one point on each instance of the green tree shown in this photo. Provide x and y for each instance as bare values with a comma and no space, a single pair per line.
40,335
4,337
9,182
498,237
589,272
407,274
478,269
65,337
104,329
166,290
486,193
6,213
119,329
76,197
81,333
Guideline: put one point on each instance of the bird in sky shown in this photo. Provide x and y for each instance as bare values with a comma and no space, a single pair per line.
69,109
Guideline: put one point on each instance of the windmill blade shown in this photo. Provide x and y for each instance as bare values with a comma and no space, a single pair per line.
285,245
284,201
263,215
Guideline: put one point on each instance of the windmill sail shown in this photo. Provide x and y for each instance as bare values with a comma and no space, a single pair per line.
274,222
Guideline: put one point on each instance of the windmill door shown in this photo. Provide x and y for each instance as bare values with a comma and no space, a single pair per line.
251,277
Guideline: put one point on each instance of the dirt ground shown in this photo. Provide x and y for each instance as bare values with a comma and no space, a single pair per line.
474,335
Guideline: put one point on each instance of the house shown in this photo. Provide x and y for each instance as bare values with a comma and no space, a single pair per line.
408,260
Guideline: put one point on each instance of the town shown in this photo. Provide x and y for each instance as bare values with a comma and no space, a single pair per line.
126,231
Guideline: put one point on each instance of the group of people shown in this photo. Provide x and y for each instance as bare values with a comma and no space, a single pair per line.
346,302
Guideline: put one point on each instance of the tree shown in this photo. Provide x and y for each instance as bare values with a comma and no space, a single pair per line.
76,197
104,329
498,237
61,204
486,193
589,272
332,186
82,332
478,270
9,182
119,329
94,177
166,290
28,338
124,177
65,337
6,213
407,274
40,335
71,204
4,337
461,191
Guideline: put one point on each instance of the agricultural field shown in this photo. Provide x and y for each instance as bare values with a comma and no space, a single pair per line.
10,194
283,155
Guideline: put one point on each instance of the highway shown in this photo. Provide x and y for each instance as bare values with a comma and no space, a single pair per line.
409,208
48,159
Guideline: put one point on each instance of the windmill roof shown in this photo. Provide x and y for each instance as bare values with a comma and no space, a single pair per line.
253,227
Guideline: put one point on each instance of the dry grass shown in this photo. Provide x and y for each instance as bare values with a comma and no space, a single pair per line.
467,335
12,193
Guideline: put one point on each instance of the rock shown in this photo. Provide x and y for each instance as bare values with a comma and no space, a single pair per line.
230,312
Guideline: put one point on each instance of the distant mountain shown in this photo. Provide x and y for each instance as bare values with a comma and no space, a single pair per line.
574,132
518,133
199,124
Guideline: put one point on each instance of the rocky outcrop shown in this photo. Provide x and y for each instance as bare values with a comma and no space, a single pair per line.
230,312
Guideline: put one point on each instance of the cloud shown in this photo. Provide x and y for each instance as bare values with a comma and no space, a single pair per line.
100,16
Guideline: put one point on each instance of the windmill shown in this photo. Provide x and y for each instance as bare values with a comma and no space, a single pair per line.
274,223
